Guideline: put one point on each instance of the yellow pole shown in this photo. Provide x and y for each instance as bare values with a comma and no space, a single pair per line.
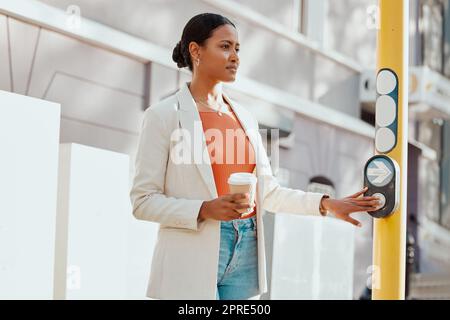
389,243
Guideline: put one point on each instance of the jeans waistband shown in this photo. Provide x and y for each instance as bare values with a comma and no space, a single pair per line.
242,224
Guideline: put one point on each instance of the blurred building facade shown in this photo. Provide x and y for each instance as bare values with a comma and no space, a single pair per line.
306,69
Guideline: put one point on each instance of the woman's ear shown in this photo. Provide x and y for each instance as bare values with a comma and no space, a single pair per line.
194,50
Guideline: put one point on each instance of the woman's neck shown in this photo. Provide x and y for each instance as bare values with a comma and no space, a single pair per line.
206,91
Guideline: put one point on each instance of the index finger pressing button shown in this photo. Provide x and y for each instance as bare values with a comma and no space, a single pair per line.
382,200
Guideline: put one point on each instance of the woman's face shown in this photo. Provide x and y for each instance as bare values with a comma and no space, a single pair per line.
219,55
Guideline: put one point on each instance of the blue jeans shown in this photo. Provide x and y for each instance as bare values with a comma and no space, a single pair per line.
237,275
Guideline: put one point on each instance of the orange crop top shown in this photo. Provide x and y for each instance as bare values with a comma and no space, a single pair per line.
229,148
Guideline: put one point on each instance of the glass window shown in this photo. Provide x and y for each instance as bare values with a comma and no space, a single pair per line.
432,26
445,176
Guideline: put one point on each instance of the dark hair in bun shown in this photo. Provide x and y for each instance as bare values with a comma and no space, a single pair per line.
198,29
178,57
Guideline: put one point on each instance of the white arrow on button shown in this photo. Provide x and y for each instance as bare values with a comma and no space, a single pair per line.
381,172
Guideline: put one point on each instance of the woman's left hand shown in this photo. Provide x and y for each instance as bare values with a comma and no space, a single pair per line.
342,208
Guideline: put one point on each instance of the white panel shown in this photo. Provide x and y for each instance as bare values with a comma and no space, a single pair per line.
108,251
101,137
29,140
5,83
312,258
23,38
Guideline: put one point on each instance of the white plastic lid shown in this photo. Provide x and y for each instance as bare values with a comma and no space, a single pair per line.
241,178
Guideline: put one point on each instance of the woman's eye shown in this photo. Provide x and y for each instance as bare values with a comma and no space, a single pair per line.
226,46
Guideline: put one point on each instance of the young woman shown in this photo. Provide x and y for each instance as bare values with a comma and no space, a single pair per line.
205,248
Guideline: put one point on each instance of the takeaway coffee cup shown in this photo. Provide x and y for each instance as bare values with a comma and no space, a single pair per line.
243,182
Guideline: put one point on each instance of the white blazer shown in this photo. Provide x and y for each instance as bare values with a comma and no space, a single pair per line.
186,254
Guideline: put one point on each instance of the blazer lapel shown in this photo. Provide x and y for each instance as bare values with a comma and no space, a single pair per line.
190,121
246,122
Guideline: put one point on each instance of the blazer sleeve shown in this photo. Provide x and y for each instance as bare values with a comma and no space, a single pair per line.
276,198
147,192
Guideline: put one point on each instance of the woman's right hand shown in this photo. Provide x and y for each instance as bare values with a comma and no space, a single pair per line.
224,207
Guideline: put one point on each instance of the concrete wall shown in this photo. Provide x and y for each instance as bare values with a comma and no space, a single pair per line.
303,73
